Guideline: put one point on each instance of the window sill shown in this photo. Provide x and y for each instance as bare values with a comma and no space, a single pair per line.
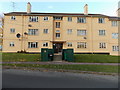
81,23
33,48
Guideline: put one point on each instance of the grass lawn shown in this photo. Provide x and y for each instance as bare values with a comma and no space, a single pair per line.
88,58
94,68
95,58
22,57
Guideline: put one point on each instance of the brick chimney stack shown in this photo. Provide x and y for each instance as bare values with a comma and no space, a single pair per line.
28,7
86,9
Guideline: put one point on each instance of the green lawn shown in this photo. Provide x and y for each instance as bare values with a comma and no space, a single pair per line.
94,68
86,58
22,57
95,58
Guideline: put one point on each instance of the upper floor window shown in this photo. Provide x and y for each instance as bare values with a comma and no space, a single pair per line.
69,44
32,44
81,19
81,45
81,32
45,18
45,31
12,30
57,31
102,45
33,32
13,17
101,20
57,18
101,32
45,44
33,18
57,24
69,31
115,48
114,23
12,44
69,19
115,35
57,35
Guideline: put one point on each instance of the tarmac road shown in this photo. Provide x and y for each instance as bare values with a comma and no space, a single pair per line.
15,78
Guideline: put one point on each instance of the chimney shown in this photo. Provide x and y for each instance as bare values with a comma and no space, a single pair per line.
86,9
28,7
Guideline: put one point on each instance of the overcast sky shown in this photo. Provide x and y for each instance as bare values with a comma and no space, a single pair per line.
107,7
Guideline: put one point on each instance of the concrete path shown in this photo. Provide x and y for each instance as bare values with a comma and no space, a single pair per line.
61,63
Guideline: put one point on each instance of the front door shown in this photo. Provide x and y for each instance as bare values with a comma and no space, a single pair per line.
57,47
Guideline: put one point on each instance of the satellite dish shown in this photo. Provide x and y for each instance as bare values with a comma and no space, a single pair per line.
18,35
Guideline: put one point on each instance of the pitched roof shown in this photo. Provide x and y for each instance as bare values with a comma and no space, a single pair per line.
55,14
114,18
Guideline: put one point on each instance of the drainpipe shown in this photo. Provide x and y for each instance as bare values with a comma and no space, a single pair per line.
22,34
91,34
53,32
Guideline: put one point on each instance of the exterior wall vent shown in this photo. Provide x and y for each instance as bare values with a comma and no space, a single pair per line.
85,37
29,25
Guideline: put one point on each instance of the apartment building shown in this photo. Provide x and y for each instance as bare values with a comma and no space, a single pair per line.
84,32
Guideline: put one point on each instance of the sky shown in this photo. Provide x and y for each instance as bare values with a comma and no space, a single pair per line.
106,7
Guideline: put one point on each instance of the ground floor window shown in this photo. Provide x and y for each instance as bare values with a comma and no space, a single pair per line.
32,44
12,44
69,44
45,44
81,45
115,48
102,45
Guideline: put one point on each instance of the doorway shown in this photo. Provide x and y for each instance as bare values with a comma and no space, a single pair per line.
57,47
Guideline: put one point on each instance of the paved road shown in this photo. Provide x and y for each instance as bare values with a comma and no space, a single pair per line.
13,78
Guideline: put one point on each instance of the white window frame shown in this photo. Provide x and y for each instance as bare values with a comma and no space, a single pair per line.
69,44
45,31
57,31
33,18
58,35
102,45
81,32
11,44
69,31
57,18
81,45
57,24
69,19
32,44
32,31
115,48
46,18
102,32
101,20
13,17
114,23
81,19
45,44
12,30
114,35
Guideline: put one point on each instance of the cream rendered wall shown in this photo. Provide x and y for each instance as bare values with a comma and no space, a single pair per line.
92,26
21,25
73,37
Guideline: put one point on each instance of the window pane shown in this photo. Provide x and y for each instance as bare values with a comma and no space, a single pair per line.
81,32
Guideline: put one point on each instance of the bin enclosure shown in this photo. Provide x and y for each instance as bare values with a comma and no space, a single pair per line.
68,54
47,54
